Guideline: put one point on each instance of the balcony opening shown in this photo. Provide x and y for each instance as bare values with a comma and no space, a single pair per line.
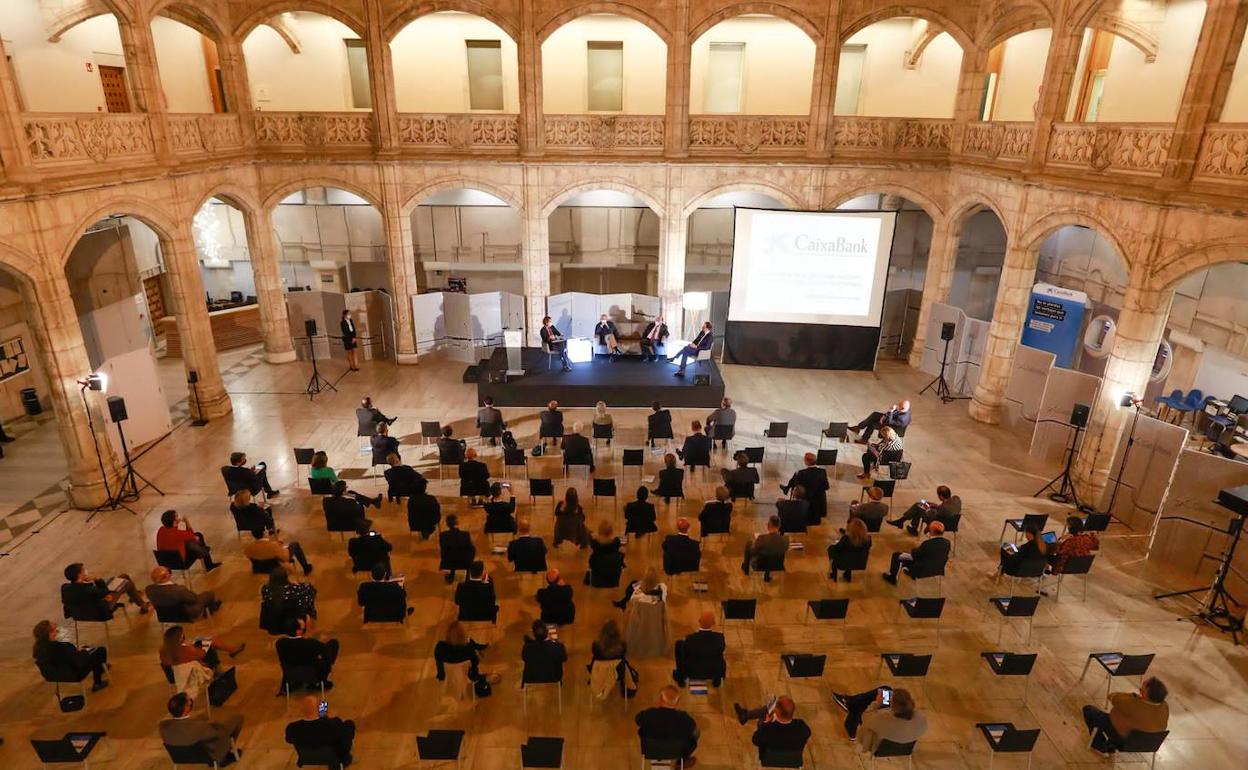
189,63
307,62
753,64
901,67
475,61
604,63
1012,78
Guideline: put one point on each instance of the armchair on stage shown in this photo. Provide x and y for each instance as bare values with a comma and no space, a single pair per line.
576,314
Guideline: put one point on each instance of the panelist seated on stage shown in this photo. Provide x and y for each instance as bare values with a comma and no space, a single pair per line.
608,335
704,341
651,337
555,342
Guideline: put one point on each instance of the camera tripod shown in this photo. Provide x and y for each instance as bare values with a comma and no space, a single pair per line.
943,391
129,490
316,383
1064,492
1215,607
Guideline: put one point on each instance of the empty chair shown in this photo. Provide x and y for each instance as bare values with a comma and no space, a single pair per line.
827,609
303,456
826,457
1169,402
1037,520
905,665
1005,738
542,488
1011,664
430,431
440,746
514,457
1076,565
1016,607
802,665
739,609
837,431
919,608
605,488
633,458
69,749
778,431
754,454
541,752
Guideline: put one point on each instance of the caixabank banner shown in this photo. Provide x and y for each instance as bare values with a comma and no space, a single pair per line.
1055,321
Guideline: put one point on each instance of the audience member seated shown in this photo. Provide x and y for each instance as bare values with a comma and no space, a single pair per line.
645,617
214,733
697,447
475,596
651,337
488,415
401,480
681,553
474,478
450,449
527,552
194,665
1076,542
384,598
897,416
342,513
932,553
1145,711
282,601
86,598
570,520
543,658
555,600
887,448
455,549
321,471
777,729
1015,558
383,444
897,722
609,649
62,661
640,518
873,512
606,561
854,543
300,648
165,594
368,549
716,515
671,480
577,449
765,548
457,647
176,534
813,481
255,478
248,515
665,722
266,547
794,512
700,655
368,417
601,417
499,513
741,479
947,507
424,512
315,731
724,416
658,423
551,423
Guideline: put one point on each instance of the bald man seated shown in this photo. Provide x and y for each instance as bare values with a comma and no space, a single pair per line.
700,655
316,730
164,594
664,722
897,416
778,730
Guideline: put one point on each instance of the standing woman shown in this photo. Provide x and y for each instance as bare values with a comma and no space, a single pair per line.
348,340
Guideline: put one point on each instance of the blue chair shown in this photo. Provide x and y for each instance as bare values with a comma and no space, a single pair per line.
1171,401
1194,402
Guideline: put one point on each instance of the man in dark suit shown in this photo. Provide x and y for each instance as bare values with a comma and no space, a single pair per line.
543,658
700,655
488,415
897,416
313,731
697,447
163,593
724,416
254,479
299,650
651,337
401,480
767,548
369,417
555,600
741,479
777,729
215,734
658,422
474,478
88,598
368,549
475,596
551,422
383,444
932,552
664,721
681,553
577,450
456,548
555,342
450,449
608,335
342,513
527,551
716,515
814,482
947,507
704,341
382,598
794,513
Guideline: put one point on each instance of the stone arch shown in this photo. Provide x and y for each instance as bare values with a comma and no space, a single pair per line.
1178,266
200,19
1026,17
237,197
929,206
763,188
1034,236
475,7
508,196
276,195
271,9
604,6
160,222
971,203
618,185
796,18
18,264
954,29
1129,31
89,9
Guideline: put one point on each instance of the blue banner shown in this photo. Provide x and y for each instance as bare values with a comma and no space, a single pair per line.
1055,321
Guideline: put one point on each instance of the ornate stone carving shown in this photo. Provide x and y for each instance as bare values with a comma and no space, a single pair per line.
997,141
204,134
748,133
314,129
604,132
901,135
460,132
54,138
1224,152
1133,148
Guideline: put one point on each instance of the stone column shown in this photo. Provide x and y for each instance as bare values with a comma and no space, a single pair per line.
58,342
823,85
1055,87
1141,325
942,255
970,92
529,53
401,258
535,255
149,95
14,152
676,126
274,322
673,239
381,79
237,87
1018,274
199,350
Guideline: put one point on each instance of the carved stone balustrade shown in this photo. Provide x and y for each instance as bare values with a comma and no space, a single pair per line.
314,130
749,134
1125,148
605,133
205,134
997,142
1224,153
887,137
459,132
56,140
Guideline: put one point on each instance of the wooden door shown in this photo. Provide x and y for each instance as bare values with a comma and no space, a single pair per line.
116,95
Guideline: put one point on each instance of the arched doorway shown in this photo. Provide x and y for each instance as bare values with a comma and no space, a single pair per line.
977,268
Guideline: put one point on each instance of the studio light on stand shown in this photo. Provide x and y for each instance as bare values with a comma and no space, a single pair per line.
98,382
1125,401
192,380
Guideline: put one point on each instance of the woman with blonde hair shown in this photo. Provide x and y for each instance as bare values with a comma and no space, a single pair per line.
601,417
645,617
608,665
457,647
855,541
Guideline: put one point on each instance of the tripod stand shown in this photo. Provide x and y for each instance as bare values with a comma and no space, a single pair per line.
1122,466
1065,491
129,490
316,383
1215,607
943,391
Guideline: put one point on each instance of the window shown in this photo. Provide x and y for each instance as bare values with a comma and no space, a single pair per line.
605,81
992,82
849,79
724,65
485,74
357,72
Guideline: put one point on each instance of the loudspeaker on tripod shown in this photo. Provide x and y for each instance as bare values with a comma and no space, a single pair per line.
309,326
117,409
947,330
1079,415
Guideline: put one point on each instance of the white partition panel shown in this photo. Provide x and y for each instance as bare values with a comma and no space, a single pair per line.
512,310
429,321
647,306
457,317
971,344
1026,387
934,346
1146,477
559,308
1062,390
133,376
618,307
585,314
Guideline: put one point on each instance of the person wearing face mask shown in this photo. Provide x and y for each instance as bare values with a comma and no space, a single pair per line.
608,335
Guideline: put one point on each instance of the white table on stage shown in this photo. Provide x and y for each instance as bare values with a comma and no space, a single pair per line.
580,350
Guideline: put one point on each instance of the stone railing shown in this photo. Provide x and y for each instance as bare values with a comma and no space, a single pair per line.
621,133
64,139
998,141
1131,148
1224,153
205,134
322,130
749,133
904,136
459,132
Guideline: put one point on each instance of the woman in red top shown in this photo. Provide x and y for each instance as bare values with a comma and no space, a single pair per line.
183,539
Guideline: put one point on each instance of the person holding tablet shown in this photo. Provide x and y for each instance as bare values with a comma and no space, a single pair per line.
883,714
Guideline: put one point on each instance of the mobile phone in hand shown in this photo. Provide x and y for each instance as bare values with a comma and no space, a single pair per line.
323,709
886,696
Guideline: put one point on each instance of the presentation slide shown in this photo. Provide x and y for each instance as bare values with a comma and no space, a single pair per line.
809,267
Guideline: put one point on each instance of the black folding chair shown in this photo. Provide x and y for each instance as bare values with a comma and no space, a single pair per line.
663,750
317,756
1037,520
1012,664
723,434
889,750
754,454
320,486
739,609
514,458
440,746
802,666
303,456
1015,607
826,457
195,754
904,665
606,488
430,431
541,752
1075,565
490,430
1137,742
837,431
887,486
176,562
633,458
603,433
1118,664
69,749
827,609
778,431
1005,738
786,758
542,488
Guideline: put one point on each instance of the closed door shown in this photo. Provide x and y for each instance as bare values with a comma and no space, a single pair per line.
116,95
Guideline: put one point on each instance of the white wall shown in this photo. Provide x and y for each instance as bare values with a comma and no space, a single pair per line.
1022,70
435,44
564,65
314,80
778,71
183,71
1221,374
1136,91
53,77
891,90
1236,109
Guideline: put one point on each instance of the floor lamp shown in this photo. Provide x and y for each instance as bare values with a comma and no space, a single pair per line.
1126,400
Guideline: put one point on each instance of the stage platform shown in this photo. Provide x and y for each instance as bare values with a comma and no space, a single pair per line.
627,381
